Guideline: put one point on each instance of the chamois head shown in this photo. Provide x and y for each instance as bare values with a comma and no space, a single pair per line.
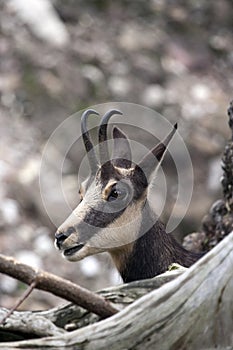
109,214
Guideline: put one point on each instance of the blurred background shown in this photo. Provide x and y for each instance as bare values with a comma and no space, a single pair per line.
58,57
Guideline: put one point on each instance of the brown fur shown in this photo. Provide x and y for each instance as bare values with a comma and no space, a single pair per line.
120,256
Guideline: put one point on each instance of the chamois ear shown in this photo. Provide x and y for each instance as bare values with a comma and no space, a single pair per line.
155,156
121,149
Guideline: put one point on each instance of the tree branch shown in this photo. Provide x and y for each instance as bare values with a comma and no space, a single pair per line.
57,285
19,302
68,317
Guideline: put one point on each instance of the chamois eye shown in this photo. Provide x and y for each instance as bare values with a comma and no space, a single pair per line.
118,192
113,194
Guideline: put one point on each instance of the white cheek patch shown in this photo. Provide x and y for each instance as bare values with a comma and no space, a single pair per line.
122,231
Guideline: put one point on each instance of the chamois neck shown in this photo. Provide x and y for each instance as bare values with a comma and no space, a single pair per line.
151,254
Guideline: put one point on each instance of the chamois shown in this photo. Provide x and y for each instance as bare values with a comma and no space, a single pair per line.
114,213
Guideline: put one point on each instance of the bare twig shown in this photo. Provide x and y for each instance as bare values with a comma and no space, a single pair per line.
57,285
26,293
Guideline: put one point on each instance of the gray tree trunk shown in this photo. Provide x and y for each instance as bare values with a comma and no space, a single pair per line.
194,311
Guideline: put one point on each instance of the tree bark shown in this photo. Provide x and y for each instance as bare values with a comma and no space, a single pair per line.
71,316
192,312
59,286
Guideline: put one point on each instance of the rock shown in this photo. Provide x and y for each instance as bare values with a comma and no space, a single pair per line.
215,173
52,83
30,171
43,244
153,96
200,92
42,20
43,190
148,68
202,141
30,258
171,65
194,241
93,73
115,277
9,212
120,68
119,86
133,38
90,266
26,233
220,42
8,284
8,82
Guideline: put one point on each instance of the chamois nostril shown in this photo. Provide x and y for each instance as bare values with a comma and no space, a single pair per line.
61,236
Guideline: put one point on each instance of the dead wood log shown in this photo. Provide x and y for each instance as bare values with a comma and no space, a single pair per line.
192,312
59,286
71,316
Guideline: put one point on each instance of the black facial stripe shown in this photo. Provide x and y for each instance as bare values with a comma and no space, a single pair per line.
94,221
100,218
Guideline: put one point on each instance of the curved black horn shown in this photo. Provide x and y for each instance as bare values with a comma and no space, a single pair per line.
103,148
87,141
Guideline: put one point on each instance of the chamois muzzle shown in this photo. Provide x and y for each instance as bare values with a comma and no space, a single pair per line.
61,236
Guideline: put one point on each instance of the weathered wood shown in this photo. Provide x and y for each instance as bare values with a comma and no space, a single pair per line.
59,286
71,316
29,323
192,312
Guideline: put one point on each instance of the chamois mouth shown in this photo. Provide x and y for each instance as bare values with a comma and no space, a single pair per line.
73,250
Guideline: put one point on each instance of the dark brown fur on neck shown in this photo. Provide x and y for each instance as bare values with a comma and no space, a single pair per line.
151,254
